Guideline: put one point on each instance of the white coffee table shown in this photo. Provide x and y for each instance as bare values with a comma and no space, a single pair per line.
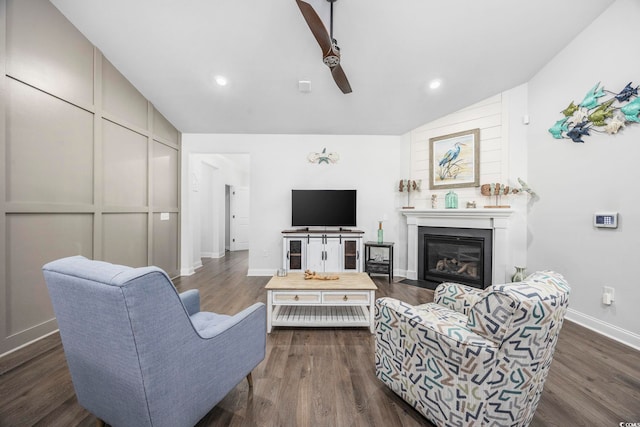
295,302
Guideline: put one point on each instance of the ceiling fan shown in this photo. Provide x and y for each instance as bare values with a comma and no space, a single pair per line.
329,45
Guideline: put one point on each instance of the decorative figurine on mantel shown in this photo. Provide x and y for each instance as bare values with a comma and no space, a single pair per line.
498,190
434,201
409,185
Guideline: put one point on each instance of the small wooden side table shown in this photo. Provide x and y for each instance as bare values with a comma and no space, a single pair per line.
375,264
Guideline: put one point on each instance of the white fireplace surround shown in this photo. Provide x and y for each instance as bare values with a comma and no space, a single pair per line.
493,219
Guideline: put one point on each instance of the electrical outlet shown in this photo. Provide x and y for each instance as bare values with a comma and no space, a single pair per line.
608,295
265,253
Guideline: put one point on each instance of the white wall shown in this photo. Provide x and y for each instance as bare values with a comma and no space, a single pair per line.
575,180
369,164
502,158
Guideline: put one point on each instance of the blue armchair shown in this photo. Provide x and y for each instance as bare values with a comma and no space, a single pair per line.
140,354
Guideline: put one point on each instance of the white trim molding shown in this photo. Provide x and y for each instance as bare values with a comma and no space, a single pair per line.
607,329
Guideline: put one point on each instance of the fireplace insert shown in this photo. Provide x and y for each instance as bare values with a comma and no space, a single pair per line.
461,255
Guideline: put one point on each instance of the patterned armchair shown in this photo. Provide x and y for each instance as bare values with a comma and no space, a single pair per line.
140,354
473,357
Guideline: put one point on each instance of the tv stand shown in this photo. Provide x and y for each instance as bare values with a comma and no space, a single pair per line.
322,251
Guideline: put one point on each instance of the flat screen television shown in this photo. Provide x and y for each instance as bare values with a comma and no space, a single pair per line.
323,208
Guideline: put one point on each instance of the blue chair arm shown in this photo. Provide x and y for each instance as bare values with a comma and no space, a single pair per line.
191,301
254,314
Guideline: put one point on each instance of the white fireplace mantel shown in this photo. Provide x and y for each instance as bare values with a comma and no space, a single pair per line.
493,219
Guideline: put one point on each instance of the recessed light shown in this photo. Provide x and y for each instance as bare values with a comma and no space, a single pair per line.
221,80
435,84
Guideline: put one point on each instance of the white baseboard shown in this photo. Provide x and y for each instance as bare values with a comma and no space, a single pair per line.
28,343
614,332
187,271
214,255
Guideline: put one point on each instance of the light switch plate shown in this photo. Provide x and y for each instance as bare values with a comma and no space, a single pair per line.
164,216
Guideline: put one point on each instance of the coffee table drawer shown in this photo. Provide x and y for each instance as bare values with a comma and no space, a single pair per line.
345,297
293,297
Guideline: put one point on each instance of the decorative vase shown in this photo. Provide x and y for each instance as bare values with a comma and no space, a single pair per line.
380,237
451,200
519,275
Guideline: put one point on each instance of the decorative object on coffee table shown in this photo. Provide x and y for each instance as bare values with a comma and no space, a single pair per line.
408,186
312,275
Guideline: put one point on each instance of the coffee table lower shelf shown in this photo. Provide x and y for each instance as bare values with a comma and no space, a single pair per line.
319,316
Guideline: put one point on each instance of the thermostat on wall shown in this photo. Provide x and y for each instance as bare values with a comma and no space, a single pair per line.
605,219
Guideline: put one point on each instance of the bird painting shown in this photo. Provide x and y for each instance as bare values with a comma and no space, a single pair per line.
452,154
449,167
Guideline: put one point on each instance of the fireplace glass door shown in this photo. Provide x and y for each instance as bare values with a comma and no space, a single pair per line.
456,259
456,255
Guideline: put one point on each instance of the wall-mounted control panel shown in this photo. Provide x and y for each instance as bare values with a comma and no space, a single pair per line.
605,219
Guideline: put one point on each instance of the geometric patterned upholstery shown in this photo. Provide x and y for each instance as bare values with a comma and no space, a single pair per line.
473,357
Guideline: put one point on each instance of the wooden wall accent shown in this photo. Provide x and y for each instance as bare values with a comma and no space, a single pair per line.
88,165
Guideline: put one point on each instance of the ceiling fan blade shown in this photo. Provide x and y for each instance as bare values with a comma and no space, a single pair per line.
315,24
341,79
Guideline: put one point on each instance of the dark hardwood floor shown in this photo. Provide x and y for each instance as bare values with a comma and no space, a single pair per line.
325,377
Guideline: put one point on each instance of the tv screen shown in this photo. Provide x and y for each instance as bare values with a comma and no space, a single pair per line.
327,208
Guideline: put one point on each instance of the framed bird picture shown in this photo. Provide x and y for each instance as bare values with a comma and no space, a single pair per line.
455,160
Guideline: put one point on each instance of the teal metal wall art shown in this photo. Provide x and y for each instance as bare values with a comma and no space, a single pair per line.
598,114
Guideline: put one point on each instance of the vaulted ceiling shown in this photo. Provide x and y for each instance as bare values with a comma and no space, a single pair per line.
391,51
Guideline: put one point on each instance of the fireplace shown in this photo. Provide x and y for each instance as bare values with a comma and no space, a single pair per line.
461,255
496,220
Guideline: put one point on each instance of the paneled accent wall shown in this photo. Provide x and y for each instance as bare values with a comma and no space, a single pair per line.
488,116
90,166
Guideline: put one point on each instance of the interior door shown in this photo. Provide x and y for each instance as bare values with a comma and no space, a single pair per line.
239,207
